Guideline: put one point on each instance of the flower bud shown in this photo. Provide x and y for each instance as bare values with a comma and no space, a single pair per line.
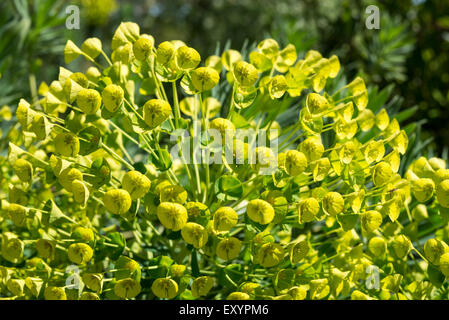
112,96
419,213
173,216
177,270
83,234
308,210
67,176
333,203
89,296
225,218
165,288
173,193
93,281
226,127
359,295
117,201
270,254
312,148
401,246
443,193
377,246
437,163
371,220
127,288
88,100
156,111
67,144
12,247
15,286
194,234
299,251
196,209
92,47
201,286
434,249
316,103
80,253
165,52
93,74
187,58
295,162
260,211
23,169
54,293
245,73
45,248
17,213
238,296
382,173
205,78
423,189
142,48
136,183
228,248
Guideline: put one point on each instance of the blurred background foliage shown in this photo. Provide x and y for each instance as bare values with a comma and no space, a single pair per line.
408,56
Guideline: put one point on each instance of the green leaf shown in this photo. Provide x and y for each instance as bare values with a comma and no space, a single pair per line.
228,187
90,138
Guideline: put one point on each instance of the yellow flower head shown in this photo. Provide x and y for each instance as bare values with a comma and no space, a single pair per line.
194,234
117,201
371,220
228,248
312,148
127,288
80,253
308,210
401,246
142,47
245,73
113,96
165,52
270,254
377,246
382,173
187,58
23,169
173,193
165,288
136,183
333,203
88,100
54,293
434,249
67,176
238,296
225,218
172,215
205,78
443,193
260,211
423,189
295,162
156,111
67,144
17,213
202,285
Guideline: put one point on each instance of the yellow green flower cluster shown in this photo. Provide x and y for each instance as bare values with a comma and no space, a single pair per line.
95,206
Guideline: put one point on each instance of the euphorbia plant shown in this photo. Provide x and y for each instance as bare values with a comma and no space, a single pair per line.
102,201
